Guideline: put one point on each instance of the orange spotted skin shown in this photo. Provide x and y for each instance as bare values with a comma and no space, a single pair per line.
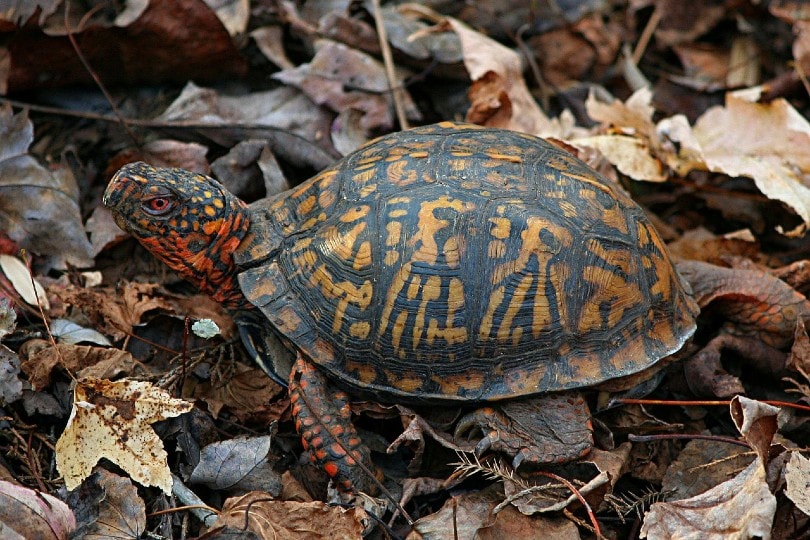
333,423
199,234
446,263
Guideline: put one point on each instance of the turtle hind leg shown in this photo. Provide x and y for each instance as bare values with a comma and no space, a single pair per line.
322,418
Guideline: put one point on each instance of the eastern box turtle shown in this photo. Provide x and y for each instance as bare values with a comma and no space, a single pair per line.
449,263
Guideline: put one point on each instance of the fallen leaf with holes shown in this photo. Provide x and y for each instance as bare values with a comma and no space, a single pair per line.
28,513
797,476
740,508
259,513
112,420
108,505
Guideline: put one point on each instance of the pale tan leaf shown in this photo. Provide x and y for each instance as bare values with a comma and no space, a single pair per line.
797,476
632,116
112,420
737,509
631,155
20,277
629,140
769,143
233,14
503,98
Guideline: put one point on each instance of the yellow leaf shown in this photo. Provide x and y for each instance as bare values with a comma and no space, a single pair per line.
112,420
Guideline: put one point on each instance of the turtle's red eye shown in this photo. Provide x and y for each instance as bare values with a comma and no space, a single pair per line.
158,206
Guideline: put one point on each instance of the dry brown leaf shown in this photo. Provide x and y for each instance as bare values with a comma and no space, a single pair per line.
799,357
700,244
109,507
499,95
703,464
797,476
38,206
170,153
11,387
257,512
40,358
245,393
283,108
244,464
344,78
112,420
462,516
28,513
756,422
738,509
470,515
509,523
115,312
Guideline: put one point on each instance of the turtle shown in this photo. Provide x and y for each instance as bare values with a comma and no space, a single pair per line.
448,263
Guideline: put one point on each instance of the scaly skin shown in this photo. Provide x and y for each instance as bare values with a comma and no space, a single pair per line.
328,432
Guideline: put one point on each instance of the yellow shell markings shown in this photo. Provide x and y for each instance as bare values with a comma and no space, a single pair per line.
425,263
429,289
607,285
531,245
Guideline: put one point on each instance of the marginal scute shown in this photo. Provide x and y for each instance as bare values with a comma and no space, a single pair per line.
453,262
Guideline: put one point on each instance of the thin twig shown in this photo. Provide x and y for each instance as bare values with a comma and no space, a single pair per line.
646,35
95,76
397,92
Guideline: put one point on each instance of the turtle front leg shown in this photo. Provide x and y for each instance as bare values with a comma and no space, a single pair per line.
323,420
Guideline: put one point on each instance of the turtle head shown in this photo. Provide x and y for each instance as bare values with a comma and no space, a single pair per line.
187,220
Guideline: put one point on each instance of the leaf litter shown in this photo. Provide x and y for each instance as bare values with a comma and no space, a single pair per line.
700,114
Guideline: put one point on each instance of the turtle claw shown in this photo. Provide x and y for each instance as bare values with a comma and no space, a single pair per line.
486,444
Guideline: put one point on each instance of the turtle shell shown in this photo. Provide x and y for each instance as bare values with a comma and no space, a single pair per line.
455,262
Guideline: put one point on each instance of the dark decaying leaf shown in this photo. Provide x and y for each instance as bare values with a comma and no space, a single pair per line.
239,464
26,513
108,506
